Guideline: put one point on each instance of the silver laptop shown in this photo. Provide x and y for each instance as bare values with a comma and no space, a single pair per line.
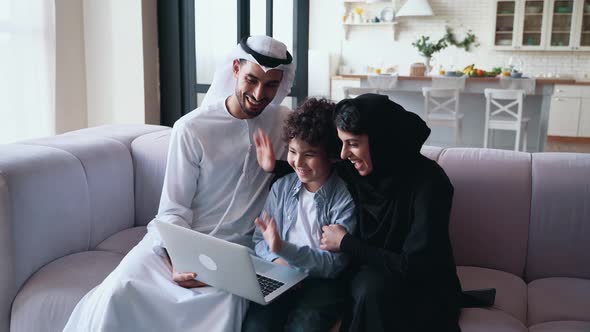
227,265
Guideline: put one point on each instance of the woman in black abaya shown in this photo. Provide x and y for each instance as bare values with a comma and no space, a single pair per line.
404,276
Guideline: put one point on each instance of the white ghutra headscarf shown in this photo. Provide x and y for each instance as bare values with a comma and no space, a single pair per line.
264,51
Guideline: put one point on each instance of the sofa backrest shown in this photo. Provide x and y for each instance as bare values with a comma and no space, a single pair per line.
491,207
61,195
559,234
149,154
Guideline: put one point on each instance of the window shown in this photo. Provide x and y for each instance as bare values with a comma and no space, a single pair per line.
194,34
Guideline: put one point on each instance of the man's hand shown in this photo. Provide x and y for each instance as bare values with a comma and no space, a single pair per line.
331,237
280,261
268,228
186,279
264,151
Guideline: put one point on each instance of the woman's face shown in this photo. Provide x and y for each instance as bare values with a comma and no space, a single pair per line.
356,149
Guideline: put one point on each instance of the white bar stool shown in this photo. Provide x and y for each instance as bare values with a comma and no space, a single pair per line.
441,104
506,115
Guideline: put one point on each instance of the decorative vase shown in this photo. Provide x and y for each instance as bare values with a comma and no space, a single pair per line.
427,64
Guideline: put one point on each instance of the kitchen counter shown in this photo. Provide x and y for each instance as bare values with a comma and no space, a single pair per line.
408,93
565,81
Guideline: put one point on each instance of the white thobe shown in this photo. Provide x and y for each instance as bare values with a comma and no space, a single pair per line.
211,159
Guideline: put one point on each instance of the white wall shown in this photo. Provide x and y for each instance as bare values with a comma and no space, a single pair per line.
106,63
114,61
375,46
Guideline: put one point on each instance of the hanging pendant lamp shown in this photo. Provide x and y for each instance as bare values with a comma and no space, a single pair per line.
416,8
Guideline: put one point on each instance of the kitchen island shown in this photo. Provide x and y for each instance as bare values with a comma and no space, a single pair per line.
408,93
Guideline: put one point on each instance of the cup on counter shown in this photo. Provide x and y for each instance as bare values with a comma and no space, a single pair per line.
344,70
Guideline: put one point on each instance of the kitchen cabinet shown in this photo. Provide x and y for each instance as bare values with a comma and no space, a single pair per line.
584,127
520,24
582,26
570,111
552,25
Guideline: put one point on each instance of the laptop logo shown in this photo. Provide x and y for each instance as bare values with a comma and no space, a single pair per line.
207,262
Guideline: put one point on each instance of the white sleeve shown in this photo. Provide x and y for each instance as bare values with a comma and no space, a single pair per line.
180,182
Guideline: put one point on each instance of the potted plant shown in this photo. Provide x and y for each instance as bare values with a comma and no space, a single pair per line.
426,48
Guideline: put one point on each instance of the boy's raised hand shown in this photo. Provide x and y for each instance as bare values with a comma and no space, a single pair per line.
264,151
268,228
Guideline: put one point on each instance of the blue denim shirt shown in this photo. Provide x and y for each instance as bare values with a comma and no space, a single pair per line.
334,206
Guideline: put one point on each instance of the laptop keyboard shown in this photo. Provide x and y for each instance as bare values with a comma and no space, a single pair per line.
268,285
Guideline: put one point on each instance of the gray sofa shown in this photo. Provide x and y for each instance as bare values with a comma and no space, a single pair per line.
72,205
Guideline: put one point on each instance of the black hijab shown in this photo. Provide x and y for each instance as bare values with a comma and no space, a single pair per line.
395,139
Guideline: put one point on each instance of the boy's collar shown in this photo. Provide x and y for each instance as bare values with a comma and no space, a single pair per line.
324,189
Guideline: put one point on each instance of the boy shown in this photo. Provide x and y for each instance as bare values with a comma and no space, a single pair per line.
289,230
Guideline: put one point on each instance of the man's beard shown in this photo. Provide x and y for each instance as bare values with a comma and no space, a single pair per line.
241,97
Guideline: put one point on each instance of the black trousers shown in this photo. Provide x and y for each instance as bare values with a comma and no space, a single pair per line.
315,306
381,303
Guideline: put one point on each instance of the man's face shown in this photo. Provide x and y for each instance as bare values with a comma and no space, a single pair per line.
311,163
255,89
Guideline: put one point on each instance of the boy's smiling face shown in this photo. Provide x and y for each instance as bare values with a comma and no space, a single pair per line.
311,163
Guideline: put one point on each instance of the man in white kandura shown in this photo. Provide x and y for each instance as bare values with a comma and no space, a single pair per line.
213,185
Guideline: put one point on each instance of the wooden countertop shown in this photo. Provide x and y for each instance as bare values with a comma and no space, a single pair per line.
471,79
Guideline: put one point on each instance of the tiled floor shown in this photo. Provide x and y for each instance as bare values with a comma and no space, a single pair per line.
567,145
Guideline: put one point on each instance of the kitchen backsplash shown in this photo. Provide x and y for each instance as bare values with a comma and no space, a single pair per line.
374,45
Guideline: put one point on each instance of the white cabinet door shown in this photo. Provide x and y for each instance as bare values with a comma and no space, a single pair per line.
506,24
564,116
584,127
533,17
561,25
583,26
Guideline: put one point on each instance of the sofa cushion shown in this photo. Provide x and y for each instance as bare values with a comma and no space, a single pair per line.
149,154
511,291
48,206
559,233
431,152
124,133
558,299
109,173
491,207
561,326
123,241
50,295
489,320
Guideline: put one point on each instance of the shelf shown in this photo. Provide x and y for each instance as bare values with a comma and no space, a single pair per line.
504,14
533,14
347,27
532,31
504,32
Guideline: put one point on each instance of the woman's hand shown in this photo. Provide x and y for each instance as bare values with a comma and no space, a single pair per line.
331,237
268,228
264,151
186,279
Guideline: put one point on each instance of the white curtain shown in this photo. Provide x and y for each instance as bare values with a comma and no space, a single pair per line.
27,69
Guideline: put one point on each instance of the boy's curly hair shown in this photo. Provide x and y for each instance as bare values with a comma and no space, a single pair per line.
312,122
